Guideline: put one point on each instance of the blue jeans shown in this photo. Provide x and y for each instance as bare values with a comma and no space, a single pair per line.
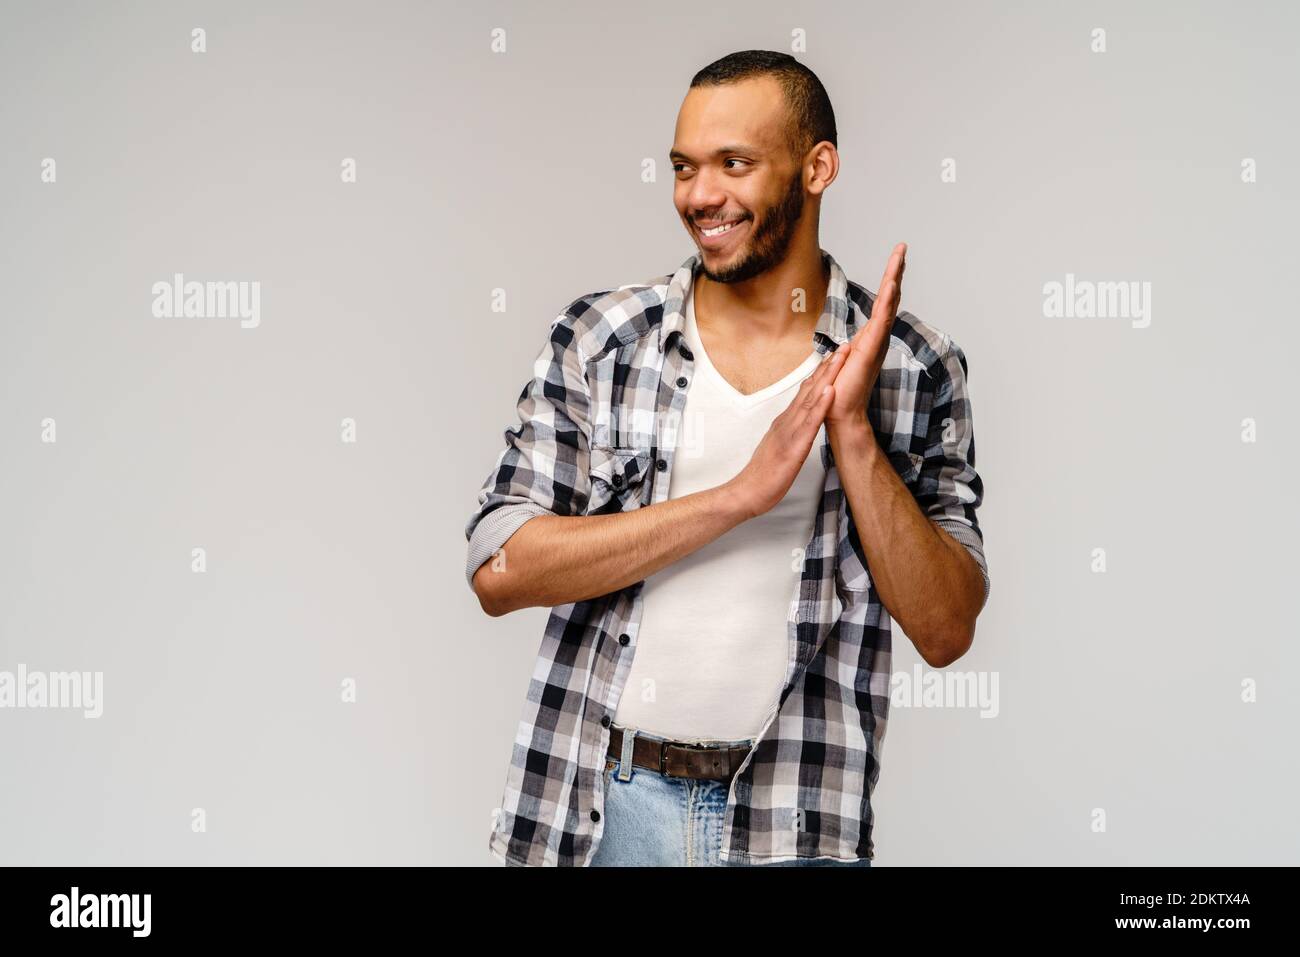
654,820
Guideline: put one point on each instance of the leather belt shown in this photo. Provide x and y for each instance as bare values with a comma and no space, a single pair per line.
714,762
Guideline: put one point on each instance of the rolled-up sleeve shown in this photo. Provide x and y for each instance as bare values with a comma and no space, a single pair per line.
948,489
543,468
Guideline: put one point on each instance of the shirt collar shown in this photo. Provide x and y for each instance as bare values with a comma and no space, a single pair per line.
833,325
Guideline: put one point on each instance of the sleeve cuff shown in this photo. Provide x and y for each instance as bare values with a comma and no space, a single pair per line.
494,530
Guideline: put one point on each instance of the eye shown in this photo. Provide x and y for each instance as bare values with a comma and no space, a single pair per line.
737,159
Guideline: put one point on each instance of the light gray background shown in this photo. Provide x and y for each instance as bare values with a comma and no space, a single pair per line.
1119,691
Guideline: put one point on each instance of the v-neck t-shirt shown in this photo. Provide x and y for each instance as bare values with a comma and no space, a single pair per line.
713,648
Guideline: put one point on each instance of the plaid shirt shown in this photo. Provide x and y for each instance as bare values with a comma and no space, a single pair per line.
596,435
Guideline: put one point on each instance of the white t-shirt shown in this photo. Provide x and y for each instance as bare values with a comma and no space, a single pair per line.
712,646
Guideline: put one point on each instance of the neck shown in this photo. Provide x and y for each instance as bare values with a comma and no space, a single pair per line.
766,307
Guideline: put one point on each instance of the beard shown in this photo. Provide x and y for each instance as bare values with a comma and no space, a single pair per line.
769,242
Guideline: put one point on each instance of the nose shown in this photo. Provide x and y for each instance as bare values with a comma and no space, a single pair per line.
705,196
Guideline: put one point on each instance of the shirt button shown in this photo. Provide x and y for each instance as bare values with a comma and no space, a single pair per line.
604,721
661,465
618,481
595,815
623,639
681,382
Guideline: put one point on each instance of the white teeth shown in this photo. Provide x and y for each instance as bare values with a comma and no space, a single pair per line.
719,230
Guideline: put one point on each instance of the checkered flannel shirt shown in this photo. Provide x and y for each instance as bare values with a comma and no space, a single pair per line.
597,423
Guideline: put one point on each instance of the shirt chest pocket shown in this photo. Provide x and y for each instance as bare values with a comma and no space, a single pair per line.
620,479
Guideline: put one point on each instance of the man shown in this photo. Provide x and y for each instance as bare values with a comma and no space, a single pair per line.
725,482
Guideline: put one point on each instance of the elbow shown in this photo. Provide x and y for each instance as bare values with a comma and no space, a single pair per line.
501,589
947,648
488,588
952,634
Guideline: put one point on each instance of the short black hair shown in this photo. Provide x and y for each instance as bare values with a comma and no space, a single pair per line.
811,118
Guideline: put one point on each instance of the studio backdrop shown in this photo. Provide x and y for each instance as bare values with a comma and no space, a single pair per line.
238,520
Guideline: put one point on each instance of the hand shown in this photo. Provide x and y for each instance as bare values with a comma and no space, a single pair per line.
782,451
861,367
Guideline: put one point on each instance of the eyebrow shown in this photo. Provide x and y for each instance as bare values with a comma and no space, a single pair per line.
721,150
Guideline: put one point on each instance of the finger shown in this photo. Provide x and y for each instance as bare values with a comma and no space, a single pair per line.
814,411
802,400
893,278
828,367
891,285
876,332
894,266
813,419
872,338
826,371
819,370
885,306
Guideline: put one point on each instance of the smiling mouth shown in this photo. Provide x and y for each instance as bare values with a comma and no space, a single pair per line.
719,229
716,230
714,237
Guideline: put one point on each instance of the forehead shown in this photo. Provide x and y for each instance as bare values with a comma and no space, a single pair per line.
751,111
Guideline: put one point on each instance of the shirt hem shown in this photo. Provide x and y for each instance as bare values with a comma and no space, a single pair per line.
786,858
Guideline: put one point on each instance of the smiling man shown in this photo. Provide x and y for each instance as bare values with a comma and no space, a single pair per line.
725,482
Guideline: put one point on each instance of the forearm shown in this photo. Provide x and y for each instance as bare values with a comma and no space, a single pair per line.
553,560
926,579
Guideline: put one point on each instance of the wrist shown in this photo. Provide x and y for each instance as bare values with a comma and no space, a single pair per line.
735,502
853,436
